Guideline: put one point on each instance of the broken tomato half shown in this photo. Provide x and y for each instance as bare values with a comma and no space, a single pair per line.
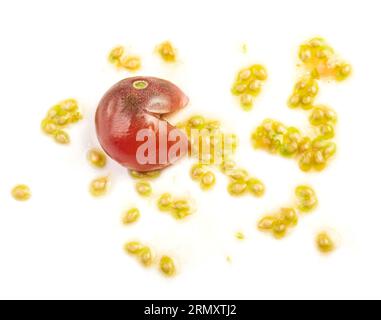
130,124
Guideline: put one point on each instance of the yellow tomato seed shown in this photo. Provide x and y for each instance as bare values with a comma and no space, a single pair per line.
167,51
165,202
131,63
143,188
97,158
208,180
240,235
324,243
133,247
266,223
99,186
146,256
61,137
167,266
116,54
21,192
131,216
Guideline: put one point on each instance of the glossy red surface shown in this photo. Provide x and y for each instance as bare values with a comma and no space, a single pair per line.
134,104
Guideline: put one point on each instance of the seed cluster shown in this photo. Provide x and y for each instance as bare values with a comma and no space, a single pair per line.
321,61
144,175
208,142
166,51
248,84
145,256
60,117
324,119
99,186
179,208
143,253
213,147
205,177
97,158
21,192
209,145
280,222
241,183
310,152
306,199
304,93
314,150
118,58
131,216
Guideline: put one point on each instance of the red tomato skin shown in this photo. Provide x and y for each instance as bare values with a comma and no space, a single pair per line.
124,110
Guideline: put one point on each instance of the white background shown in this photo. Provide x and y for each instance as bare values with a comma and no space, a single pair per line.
65,244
